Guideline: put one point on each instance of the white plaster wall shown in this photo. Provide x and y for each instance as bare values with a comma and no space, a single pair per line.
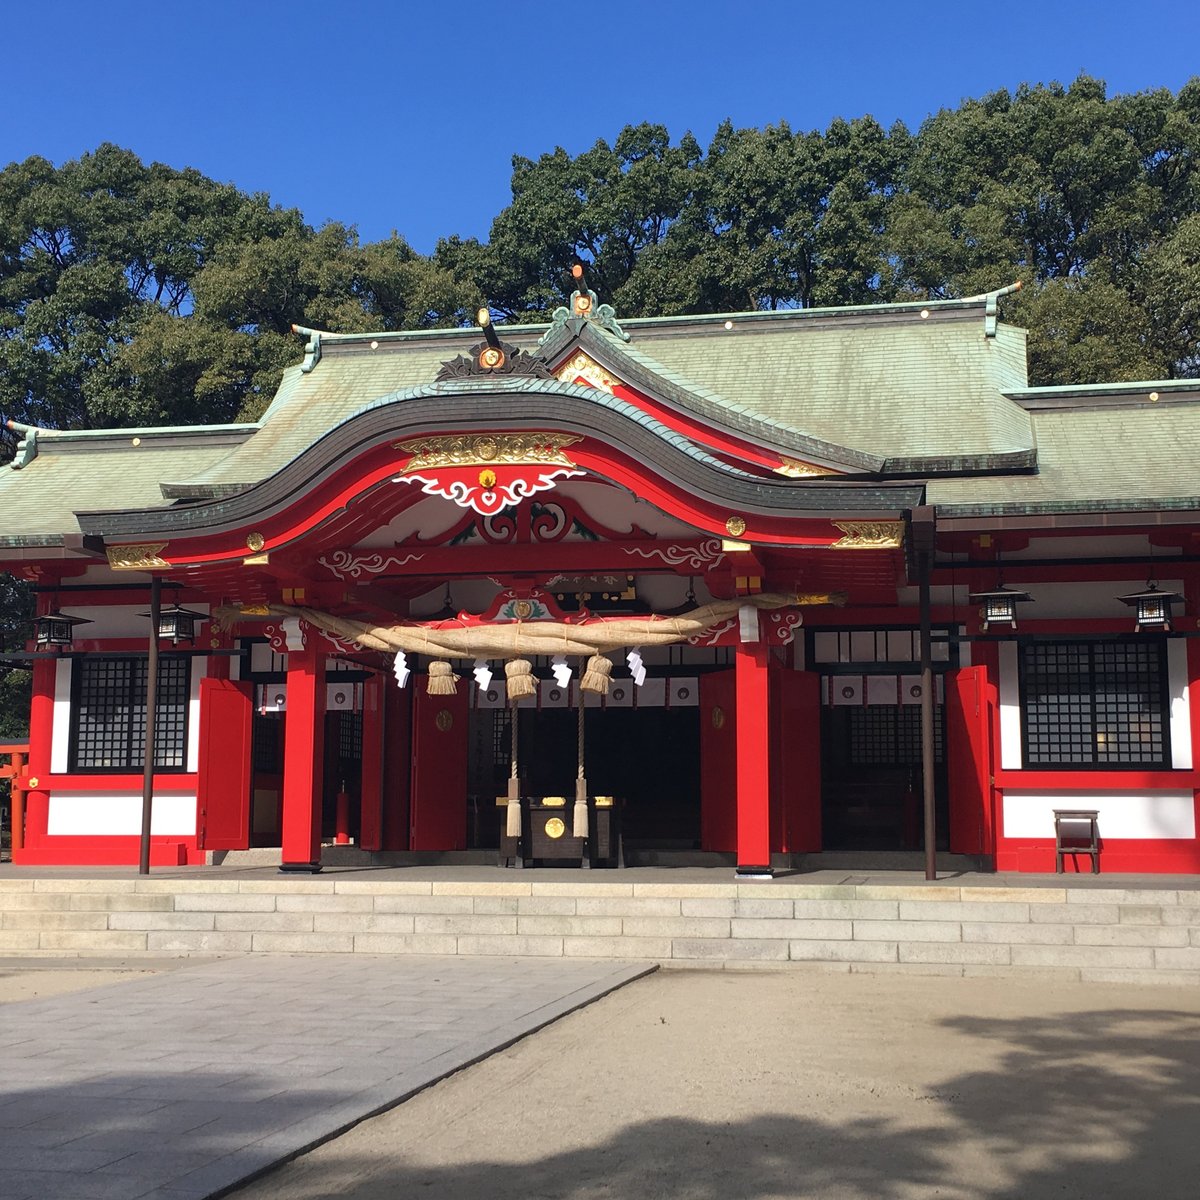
1181,718
620,510
1010,709
118,620
199,670
1123,546
95,814
466,595
940,596
60,741
1096,599
1141,816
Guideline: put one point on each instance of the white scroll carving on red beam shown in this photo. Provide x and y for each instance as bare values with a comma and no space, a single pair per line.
488,472
782,625
779,630
724,634
696,557
339,644
277,636
346,565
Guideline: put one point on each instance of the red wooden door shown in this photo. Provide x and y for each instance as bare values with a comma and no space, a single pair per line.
718,761
439,779
223,795
798,736
969,760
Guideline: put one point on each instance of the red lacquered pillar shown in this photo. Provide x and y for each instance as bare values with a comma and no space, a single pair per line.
41,737
753,760
303,761
370,826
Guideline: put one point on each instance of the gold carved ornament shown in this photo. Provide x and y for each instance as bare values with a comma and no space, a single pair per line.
583,366
794,468
555,827
869,535
488,449
144,557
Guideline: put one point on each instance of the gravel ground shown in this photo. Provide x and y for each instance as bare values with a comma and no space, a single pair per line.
740,1084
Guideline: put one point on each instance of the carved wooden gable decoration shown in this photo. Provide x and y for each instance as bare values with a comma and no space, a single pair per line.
488,472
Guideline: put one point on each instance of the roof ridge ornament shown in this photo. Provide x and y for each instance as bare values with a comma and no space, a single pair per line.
586,307
312,350
991,312
493,357
27,447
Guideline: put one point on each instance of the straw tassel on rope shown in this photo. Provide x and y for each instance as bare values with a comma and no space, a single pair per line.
442,680
595,678
519,674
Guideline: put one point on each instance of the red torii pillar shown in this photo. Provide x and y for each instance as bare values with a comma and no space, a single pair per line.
752,683
303,760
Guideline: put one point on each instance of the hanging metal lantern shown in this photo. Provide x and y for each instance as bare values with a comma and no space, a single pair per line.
176,624
1000,606
1153,607
56,630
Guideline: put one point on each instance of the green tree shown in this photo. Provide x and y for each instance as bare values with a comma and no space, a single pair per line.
133,294
608,206
1086,199
16,609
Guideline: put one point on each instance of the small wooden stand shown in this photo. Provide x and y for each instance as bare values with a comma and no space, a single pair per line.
1076,831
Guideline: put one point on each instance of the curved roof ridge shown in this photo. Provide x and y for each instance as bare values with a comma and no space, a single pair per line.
650,374
951,304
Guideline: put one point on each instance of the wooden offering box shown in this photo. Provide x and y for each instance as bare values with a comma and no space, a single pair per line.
549,830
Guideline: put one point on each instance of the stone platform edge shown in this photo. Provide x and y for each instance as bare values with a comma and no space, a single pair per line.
1114,934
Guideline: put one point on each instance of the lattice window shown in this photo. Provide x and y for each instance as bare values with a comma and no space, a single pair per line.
1095,703
267,744
889,735
350,736
108,715
501,738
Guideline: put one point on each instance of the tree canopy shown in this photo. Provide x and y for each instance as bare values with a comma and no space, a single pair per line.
146,295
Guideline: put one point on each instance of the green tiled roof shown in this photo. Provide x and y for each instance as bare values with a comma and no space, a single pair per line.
909,389
888,388
1092,460
882,383
72,473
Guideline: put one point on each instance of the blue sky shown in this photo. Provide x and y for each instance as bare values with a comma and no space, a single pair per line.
406,115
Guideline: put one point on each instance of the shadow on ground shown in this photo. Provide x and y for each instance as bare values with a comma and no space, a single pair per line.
197,1136
1090,1104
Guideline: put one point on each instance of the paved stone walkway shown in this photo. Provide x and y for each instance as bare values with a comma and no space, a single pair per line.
183,1084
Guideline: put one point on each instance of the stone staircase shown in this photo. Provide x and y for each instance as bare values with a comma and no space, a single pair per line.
1086,932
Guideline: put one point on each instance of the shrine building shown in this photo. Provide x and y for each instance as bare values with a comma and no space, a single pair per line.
745,589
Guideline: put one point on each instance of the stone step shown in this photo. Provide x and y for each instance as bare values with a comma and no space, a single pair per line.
1081,932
